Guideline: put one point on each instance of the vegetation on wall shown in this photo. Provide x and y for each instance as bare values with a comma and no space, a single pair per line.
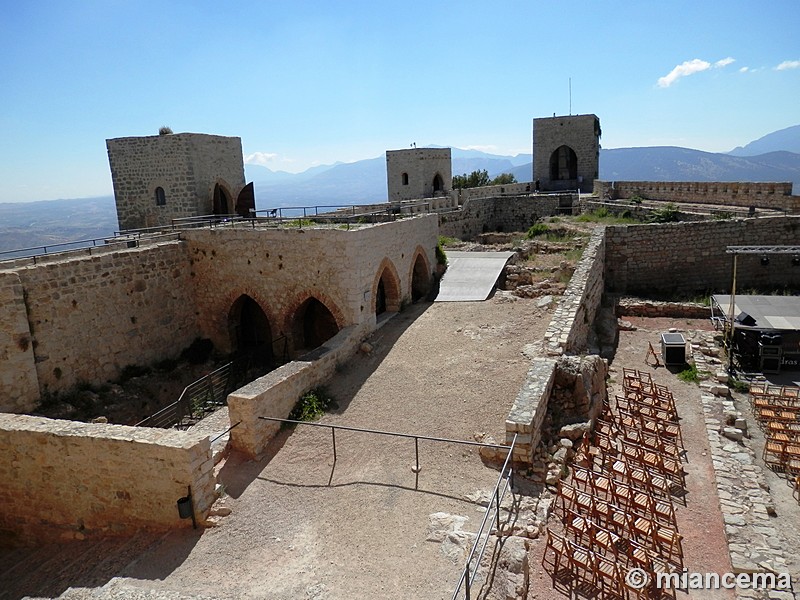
480,179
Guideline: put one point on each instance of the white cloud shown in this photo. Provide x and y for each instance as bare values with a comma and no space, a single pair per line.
260,158
690,67
744,69
788,64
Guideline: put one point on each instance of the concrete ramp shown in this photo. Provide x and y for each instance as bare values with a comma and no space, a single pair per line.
471,276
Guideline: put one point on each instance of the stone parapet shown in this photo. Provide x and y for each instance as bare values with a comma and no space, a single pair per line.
772,195
67,479
573,318
529,409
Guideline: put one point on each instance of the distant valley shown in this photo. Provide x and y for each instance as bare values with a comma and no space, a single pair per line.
774,157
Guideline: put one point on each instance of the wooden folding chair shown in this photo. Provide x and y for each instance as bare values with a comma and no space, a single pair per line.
796,492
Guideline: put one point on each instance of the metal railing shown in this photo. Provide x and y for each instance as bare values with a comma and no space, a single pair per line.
106,244
415,437
468,574
506,473
199,397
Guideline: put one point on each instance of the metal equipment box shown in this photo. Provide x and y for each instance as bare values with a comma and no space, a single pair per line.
673,349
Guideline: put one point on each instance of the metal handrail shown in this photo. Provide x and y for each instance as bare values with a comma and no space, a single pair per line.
497,498
59,248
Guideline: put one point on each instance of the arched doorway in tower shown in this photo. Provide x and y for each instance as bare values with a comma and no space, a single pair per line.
250,330
313,324
420,279
222,202
438,183
563,164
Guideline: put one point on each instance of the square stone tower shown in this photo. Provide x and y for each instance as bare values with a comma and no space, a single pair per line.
566,152
163,177
418,173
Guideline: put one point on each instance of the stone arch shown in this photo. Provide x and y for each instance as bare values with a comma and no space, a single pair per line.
311,321
419,274
563,164
221,198
250,329
386,288
438,183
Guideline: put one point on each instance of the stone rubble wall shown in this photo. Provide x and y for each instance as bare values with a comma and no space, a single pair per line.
569,329
90,316
760,195
276,393
634,307
672,258
493,191
67,479
527,414
507,213
19,383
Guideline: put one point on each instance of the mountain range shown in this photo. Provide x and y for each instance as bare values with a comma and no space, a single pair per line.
774,157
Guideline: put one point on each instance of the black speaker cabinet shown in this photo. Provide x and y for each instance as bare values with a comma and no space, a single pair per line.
744,319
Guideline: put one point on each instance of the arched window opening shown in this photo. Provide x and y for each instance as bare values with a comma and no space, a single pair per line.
405,178
438,183
161,197
563,164
380,298
313,325
250,330
420,280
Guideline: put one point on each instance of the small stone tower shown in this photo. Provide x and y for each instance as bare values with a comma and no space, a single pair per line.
418,173
163,177
566,152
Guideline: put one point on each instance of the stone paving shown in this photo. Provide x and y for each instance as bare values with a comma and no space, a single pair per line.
747,507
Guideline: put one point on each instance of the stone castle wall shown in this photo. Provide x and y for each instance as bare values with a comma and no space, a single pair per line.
85,318
420,165
66,479
186,165
90,316
674,258
511,213
760,195
281,268
581,133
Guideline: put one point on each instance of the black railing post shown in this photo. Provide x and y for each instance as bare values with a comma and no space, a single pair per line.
466,581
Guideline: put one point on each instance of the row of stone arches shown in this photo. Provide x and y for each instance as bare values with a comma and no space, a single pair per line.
315,318
386,288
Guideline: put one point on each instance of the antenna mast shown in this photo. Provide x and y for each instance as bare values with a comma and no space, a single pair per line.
570,96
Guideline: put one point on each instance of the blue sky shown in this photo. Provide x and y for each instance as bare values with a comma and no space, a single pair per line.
307,83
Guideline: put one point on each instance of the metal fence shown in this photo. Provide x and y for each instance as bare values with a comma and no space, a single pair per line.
473,562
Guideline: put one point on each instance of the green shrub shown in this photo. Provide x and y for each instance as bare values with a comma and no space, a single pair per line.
536,230
689,375
668,214
300,223
441,257
312,405
448,241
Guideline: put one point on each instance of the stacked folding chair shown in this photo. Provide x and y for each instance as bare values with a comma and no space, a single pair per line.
777,409
617,509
